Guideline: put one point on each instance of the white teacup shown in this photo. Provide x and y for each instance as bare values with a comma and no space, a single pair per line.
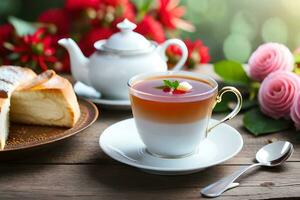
174,127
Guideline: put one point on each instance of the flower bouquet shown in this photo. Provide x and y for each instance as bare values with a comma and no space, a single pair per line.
35,45
272,84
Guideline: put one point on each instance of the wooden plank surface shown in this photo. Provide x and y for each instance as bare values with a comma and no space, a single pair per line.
78,169
106,181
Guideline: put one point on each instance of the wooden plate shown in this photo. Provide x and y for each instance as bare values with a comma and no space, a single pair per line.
22,137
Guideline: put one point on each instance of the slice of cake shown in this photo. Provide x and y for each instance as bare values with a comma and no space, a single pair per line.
4,121
10,78
47,99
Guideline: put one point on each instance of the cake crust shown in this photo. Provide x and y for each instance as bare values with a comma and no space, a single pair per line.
45,99
53,88
11,77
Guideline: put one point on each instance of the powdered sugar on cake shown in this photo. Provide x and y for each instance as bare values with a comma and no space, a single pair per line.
11,77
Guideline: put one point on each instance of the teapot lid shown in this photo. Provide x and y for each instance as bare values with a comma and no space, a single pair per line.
125,40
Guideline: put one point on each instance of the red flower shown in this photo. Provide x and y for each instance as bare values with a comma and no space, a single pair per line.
198,53
115,3
87,42
111,12
128,11
75,5
64,63
170,14
6,31
151,28
58,17
37,49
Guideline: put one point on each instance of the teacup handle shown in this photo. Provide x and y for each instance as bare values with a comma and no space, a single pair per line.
183,48
235,111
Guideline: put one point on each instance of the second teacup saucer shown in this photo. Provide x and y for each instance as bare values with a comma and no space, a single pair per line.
121,142
93,95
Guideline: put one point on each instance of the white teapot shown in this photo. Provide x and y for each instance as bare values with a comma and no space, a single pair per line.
118,58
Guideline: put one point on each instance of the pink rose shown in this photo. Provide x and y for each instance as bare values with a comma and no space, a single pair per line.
277,93
268,58
295,112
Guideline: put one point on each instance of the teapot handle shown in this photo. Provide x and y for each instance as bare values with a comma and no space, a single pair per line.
183,48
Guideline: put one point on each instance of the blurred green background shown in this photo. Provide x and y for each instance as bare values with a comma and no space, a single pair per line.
232,29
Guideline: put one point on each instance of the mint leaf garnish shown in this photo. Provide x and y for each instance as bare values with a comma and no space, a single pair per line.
176,84
171,84
167,83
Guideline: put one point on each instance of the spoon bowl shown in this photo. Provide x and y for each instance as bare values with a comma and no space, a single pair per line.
270,155
275,153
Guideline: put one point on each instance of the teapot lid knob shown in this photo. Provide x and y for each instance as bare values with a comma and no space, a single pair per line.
126,41
126,25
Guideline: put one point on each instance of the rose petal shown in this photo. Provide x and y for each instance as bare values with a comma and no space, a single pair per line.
268,58
277,93
295,112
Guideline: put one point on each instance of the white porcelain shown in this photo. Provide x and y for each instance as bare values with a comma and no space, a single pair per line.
121,142
173,138
91,94
113,104
84,90
118,58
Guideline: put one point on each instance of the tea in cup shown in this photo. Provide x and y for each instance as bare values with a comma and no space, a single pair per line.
172,110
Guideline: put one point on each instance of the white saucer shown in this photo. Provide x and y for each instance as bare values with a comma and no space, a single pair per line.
121,142
93,95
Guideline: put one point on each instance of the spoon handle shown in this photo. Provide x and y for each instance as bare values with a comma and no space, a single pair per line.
217,188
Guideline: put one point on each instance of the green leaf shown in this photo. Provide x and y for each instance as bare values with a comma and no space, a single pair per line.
173,85
143,6
223,106
22,27
247,104
229,101
258,123
146,5
13,56
227,105
297,58
297,70
167,83
231,72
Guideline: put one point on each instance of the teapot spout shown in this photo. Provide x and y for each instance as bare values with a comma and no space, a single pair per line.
79,63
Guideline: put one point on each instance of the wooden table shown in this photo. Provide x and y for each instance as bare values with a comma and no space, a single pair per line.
78,169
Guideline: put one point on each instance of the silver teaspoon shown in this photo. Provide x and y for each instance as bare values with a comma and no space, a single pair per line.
270,155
